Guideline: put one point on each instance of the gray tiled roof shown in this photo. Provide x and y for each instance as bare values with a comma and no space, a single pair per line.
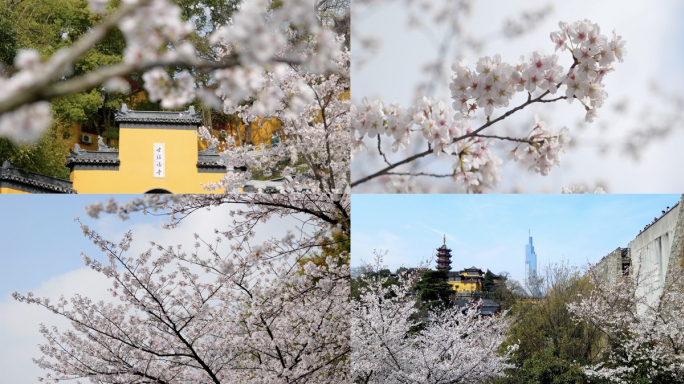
32,182
80,157
126,115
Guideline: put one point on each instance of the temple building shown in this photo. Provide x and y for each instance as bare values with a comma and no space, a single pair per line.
157,154
467,280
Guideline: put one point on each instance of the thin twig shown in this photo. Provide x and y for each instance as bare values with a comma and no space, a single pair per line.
528,141
420,174
382,153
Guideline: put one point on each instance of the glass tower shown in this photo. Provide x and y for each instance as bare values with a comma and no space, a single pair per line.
530,264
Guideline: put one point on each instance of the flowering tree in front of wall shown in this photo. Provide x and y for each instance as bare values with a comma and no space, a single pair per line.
453,345
278,58
642,324
490,86
229,311
313,110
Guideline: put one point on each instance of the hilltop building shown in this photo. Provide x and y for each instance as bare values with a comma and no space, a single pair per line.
468,280
444,257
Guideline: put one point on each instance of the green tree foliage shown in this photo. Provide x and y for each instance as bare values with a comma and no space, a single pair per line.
551,344
360,274
545,367
488,282
8,38
433,289
77,108
502,294
46,158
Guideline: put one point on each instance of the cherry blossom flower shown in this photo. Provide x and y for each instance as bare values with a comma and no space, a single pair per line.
173,93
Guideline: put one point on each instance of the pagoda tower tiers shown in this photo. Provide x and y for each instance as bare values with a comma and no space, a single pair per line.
444,257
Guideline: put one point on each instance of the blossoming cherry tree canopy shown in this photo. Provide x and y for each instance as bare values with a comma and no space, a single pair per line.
489,86
233,310
452,345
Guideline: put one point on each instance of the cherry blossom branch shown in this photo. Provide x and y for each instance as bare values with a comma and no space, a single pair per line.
474,133
493,84
506,138
60,60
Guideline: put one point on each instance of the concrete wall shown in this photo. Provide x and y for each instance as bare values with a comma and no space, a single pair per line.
658,247
651,253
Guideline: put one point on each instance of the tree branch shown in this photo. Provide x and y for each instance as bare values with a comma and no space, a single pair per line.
474,133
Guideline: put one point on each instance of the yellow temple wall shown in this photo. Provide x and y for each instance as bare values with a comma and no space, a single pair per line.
135,174
5,190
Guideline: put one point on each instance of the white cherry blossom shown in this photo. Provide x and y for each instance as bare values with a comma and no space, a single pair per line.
490,86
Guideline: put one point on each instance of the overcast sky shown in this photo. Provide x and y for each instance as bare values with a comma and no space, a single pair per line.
40,247
655,43
490,231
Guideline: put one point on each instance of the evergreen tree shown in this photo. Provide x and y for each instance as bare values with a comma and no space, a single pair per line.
433,289
488,283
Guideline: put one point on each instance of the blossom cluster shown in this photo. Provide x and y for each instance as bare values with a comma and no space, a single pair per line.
493,84
475,167
173,93
643,314
152,27
313,112
26,123
203,315
542,149
594,55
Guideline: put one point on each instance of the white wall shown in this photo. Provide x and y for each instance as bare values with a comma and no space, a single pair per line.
650,252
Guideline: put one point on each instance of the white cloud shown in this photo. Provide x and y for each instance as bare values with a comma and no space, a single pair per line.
19,322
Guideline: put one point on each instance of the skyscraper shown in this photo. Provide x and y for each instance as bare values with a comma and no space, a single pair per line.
530,266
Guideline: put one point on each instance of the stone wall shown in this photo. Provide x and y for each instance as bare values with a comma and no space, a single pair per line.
610,267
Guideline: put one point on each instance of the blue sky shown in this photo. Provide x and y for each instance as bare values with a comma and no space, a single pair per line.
490,231
40,239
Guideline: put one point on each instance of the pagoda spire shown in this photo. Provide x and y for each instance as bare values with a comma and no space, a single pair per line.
444,256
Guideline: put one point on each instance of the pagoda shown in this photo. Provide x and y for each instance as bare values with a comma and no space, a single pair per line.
444,257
